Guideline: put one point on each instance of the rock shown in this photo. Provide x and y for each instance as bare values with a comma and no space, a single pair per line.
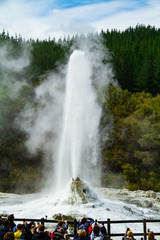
79,193
60,216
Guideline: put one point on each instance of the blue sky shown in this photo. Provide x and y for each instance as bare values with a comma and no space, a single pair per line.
62,18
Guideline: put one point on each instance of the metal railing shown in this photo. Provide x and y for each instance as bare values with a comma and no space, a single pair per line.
108,222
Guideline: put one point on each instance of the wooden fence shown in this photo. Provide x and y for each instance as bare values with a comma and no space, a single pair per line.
108,222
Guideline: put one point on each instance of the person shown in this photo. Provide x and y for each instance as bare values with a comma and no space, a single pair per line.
104,232
96,233
24,222
26,233
18,233
103,228
81,235
62,224
9,236
95,223
4,228
150,235
84,224
40,234
60,234
129,234
12,224
33,227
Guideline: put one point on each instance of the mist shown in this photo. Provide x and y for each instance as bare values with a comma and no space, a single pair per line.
11,66
42,121
11,82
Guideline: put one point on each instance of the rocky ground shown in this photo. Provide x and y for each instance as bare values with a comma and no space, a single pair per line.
144,199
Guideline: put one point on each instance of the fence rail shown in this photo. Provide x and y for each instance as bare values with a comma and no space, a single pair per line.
108,222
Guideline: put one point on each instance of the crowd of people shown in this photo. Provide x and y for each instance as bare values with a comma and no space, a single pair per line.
88,229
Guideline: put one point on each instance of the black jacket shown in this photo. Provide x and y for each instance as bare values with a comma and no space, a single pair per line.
40,236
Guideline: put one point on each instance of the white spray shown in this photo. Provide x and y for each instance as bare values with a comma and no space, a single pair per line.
78,152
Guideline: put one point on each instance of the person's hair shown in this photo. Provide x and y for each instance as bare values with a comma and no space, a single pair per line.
47,233
150,235
41,228
61,230
82,233
19,226
5,222
60,223
129,233
9,236
84,220
96,230
11,217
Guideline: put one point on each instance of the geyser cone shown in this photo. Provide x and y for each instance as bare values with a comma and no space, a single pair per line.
78,192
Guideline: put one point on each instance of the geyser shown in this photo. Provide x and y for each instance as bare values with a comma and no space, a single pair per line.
78,153
78,192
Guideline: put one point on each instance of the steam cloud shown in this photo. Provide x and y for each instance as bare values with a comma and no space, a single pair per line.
10,69
43,123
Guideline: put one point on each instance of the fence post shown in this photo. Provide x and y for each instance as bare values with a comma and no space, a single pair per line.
144,229
109,227
75,226
42,221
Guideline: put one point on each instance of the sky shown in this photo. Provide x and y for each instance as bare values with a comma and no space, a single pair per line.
62,18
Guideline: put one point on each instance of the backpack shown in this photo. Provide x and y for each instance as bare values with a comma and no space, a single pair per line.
89,229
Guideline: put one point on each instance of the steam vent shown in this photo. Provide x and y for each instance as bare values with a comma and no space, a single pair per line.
81,193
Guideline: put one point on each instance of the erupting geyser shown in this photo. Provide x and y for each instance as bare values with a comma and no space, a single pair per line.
78,153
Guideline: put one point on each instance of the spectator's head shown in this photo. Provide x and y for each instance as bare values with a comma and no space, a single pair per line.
24,222
9,236
5,222
96,230
129,233
82,233
60,223
84,220
47,233
19,227
61,230
150,235
11,217
41,228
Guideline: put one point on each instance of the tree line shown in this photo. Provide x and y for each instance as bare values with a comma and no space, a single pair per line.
130,155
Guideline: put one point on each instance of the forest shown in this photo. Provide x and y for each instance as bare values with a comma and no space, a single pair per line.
131,153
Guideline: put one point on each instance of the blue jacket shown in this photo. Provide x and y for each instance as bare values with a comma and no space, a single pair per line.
86,225
65,227
3,231
76,237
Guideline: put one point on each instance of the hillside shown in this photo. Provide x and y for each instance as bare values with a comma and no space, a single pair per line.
130,153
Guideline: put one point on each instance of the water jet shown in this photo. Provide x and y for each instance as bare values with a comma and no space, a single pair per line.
78,148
